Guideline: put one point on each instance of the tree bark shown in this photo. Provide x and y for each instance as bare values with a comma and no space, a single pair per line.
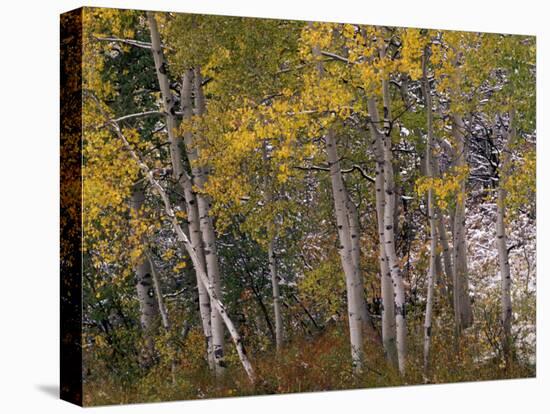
388,304
447,258
182,179
273,270
501,241
148,307
160,300
207,229
345,250
446,252
355,231
461,297
344,236
431,215
389,230
440,278
168,101
161,307
272,261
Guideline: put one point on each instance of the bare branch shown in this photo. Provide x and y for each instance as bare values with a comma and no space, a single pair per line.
337,57
131,42
136,115
346,171
361,171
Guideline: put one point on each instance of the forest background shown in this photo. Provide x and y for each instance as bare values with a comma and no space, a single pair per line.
524,19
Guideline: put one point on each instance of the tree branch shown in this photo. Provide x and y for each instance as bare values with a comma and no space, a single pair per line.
131,42
337,57
346,171
136,115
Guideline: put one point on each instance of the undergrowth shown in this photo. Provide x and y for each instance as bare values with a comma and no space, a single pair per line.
316,363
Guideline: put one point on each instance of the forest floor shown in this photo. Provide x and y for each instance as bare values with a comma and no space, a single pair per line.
319,363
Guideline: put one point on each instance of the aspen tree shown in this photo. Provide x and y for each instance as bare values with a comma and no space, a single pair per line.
207,229
501,242
273,270
183,180
462,303
169,211
388,305
146,294
344,235
426,91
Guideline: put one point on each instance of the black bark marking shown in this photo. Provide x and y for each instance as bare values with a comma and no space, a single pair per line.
218,353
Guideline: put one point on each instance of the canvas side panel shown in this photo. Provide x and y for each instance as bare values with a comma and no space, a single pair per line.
71,207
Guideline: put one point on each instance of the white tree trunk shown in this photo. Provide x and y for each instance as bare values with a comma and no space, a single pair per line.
444,242
207,230
430,283
161,307
273,270
193,219
501,241
388,304
440,278
431,217
397,278
148,308
344,236
183,180
389,229
160,300
214,299
355,231
345,250
447,258
461,297
168,101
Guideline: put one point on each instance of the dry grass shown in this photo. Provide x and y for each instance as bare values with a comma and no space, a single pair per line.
320,363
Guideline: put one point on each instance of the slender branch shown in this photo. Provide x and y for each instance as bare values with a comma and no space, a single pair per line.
136,115
346,171
337,57
156,147
207,81
514,246
311,318
285,70
158,290
174,294
131,42
361,171
311,168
